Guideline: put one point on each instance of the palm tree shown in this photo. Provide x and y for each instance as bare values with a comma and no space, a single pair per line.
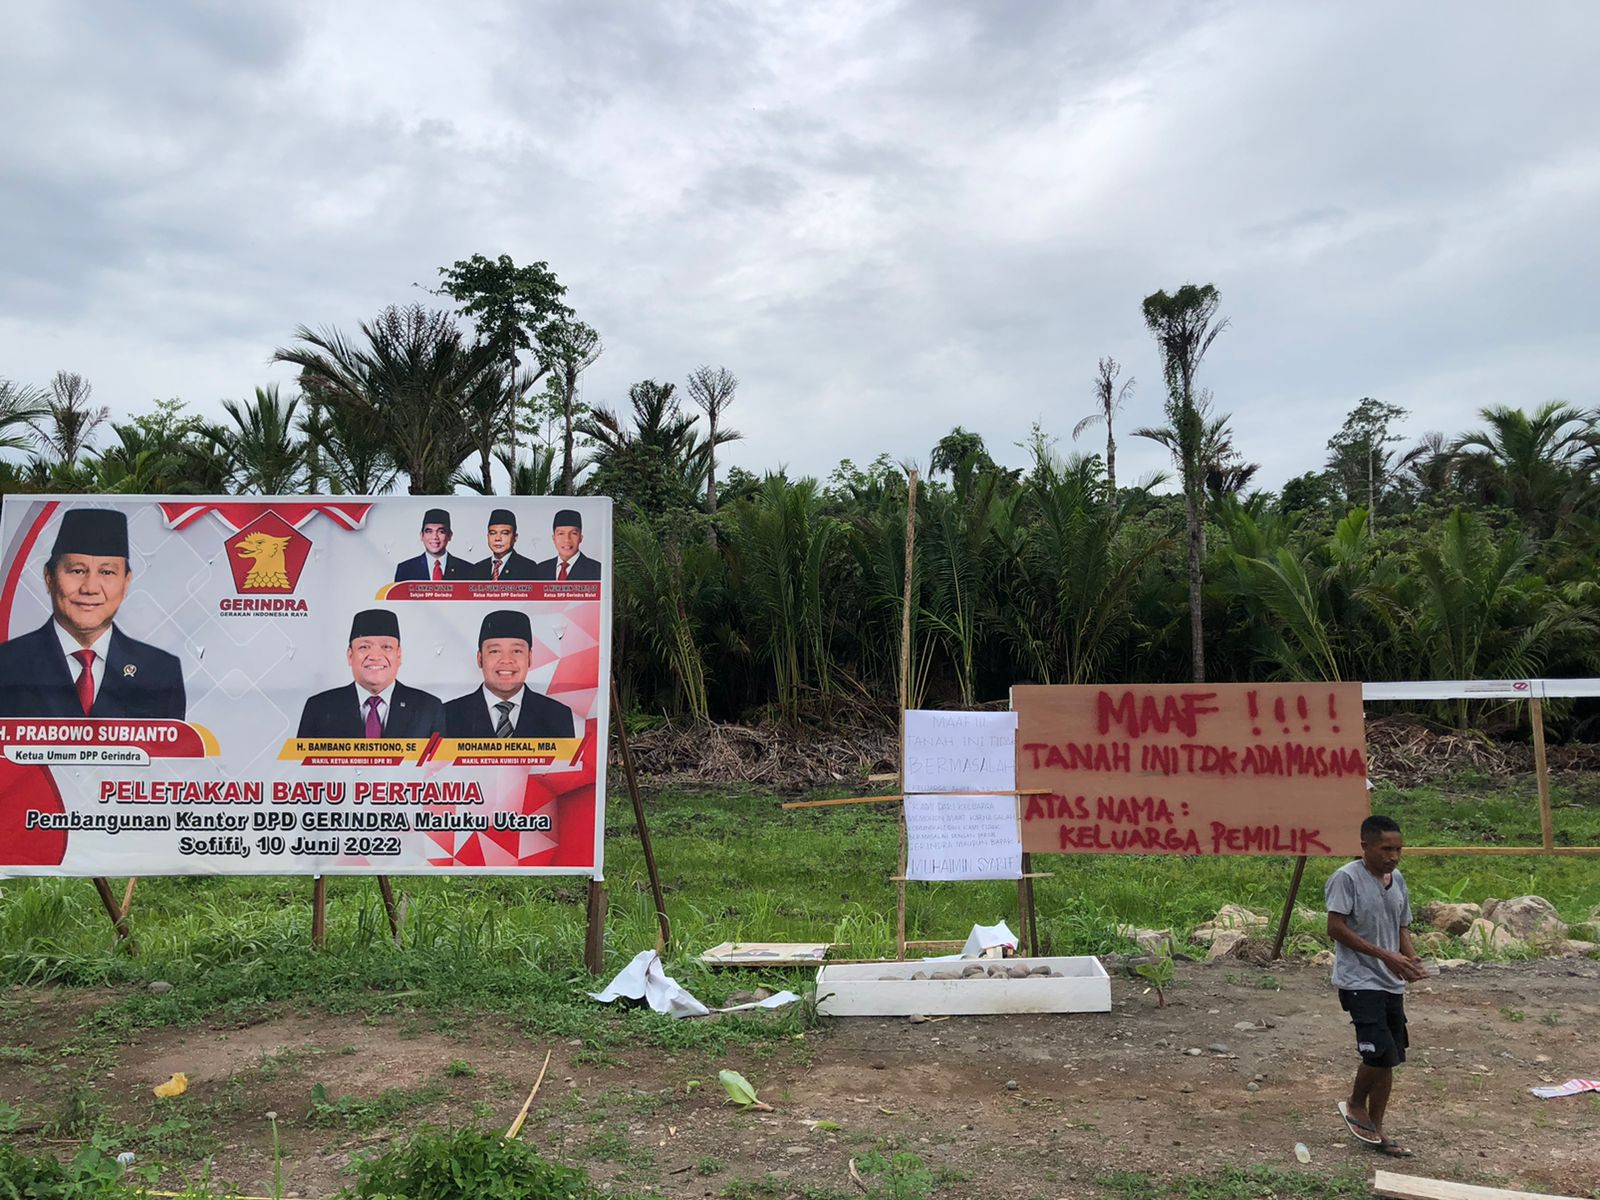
659,461
1110,396
1539,465
663,596
344,441
1184,326
20,407
263,452
69,420
781,546
416,379
525,478
1479,614
568,348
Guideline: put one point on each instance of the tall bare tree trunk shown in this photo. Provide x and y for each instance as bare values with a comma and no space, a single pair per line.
569,388
1196,546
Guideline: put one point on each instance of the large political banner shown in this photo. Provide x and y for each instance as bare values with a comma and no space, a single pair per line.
1226,768
228,685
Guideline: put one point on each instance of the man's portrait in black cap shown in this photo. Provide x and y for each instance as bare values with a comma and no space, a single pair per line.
79,663
435,562
505,706
503,562
570,562
376,704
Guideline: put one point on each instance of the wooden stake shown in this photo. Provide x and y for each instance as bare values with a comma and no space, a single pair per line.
390,908
127,898
1028,876
117,913
1288,906
319,911
1541,771
897,797
905,700
594,941
664,937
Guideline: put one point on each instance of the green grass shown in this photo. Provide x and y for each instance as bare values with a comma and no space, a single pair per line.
1236,1183
737,868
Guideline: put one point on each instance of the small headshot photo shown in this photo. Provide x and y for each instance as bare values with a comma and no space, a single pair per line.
504,562
570,561
505,706
435,563
80,663
375,704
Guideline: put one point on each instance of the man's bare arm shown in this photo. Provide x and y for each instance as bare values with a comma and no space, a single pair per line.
1405,965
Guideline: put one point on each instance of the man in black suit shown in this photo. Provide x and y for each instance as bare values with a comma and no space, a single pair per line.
505,706
78,663
503,562
435,562
377,704
570,562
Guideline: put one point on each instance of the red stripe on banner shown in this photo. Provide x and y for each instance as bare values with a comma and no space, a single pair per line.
588,736
16,567
430,748
236,515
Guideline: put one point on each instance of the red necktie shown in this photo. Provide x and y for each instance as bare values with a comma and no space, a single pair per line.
561,574
496,574
85,679
374,723
438,570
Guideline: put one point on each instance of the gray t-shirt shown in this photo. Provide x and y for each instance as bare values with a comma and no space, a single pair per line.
1374,912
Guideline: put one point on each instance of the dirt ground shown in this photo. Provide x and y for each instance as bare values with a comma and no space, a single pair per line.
1005,1106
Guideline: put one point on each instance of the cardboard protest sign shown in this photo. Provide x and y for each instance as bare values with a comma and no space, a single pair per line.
1192,768
260,685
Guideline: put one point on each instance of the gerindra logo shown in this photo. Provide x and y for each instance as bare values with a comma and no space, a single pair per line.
267,556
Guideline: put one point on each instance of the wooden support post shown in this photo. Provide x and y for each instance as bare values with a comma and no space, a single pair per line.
1288,906
390,908
905,700
127,897
1541,771
117,912
663,925
1033,912
594,941
319,911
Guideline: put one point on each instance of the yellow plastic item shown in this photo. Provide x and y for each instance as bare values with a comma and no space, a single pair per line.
176,1086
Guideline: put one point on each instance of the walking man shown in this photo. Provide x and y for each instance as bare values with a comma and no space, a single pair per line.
1369,919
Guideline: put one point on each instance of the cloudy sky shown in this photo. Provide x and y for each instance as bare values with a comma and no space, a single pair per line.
886,219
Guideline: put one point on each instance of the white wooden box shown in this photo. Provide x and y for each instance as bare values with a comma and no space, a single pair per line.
860,989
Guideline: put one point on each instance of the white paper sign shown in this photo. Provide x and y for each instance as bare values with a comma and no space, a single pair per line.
962,837
960,752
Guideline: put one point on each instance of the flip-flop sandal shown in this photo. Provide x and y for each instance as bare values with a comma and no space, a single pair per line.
1355,1127
1393,1149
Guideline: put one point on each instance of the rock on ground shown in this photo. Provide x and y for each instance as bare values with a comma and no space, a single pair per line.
1487,936
1454,919
1531,918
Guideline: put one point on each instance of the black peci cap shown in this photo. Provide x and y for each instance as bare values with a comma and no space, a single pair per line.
505,623
503,516
568,516
101,532
436,516
375,622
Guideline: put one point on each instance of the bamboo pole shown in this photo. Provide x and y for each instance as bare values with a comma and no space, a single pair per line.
896,797
905,701
1288,906
118,915
663,926
1541,771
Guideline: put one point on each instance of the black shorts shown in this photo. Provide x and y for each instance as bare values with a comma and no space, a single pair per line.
1380,1021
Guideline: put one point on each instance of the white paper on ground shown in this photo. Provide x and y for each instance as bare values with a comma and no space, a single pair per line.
1570,1088
644,978
984,936
959,752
